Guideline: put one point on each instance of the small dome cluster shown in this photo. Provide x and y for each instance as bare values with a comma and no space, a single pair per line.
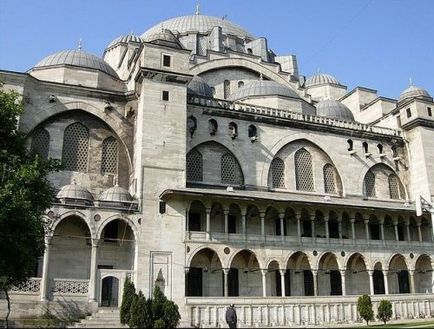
77,58
74,191
263,88
321,79
116,194
334,109
125,39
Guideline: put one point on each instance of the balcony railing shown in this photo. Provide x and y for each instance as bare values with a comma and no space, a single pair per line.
70,287
32,287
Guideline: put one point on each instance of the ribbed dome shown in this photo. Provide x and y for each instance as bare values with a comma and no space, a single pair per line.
263,88
412,92
116,194
199,87
77,58
333,109
198,23
321,79
74,191
125,39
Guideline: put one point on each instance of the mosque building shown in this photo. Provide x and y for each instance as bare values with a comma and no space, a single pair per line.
198,160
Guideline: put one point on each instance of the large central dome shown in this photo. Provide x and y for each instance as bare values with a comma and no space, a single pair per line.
198,23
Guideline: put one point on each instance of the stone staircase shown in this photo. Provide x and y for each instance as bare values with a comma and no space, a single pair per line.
105,317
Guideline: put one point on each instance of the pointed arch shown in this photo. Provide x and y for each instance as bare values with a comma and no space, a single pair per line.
109,156
75,151
303,170
231,170
277,173
194,166
40,142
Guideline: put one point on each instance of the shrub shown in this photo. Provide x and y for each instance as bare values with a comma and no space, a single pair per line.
364,307
384,311
132,321
127,298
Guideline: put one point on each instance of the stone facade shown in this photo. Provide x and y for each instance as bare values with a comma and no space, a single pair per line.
223,192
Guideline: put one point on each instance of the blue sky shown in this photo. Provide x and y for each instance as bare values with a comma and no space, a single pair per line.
370,43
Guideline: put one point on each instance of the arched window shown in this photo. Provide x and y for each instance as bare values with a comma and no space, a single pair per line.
75,147
233,130
370,184
396,190
40,142
278,173
212,127
230,170
194,166
109,159
350,144
253,131
240,84
303,170
329,178
226,89
380,148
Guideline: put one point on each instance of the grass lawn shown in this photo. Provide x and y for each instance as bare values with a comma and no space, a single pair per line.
409,324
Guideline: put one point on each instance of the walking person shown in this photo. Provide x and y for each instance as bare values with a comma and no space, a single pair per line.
231,316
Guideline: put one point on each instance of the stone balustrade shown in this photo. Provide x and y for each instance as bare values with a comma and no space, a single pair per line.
287,311
32,286
287,114
70,287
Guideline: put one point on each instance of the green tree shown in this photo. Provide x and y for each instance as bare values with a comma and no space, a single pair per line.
364,307
25,194
164,312
140,312
127,298
384,311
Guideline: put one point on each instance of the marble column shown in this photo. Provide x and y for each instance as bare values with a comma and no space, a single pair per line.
367,235
407,226
382,231
282,282
412,283
244,225
419,231
326,224
386,281
225,281
371,282
208,223
93,271
282,226
312,223
226,213
315,282
264,282
262,216
395,226
353,229
45,269
298,217
340,228
344,288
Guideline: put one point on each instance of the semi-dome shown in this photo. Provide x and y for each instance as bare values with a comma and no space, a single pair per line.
77,58
412,92
125,39
333,109
116,194
321,79
199,87
263,88
198,23
74,191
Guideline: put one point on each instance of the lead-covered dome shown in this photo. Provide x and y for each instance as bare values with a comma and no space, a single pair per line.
116,194
263,88
125,39
198,23
333,109
75,192
321,79
77,58
412,92
199,87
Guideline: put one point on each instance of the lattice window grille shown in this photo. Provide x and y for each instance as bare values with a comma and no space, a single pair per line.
370,184
30,286
303,170
201,45
194,166
278,173
230,170
329,178
75,147
40,142
226,89
394,188
78,287
109,160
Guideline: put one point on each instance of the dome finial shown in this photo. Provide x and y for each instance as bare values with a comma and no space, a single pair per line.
197,8
410,81
80,44
261,77
318,70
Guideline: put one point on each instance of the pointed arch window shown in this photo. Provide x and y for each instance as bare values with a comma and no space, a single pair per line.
329,178
303,170
109,160
194,166
396,189
40,143
230,170
75,150
278,173
370,184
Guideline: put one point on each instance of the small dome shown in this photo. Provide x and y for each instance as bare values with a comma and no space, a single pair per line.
412,92
74,191
321,79
263,88
333,109
125,39
116,194
164,36
198,23
199,87
77,58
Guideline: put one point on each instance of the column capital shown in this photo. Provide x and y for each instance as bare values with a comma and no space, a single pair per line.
262,214
226,211
281,215
282,271
352,220
208,210
95,243
226,270
48,239
395,221
314,272
298,215
370,272
312,217
186,269
264,271
326,218
381,221
366,221
343,270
